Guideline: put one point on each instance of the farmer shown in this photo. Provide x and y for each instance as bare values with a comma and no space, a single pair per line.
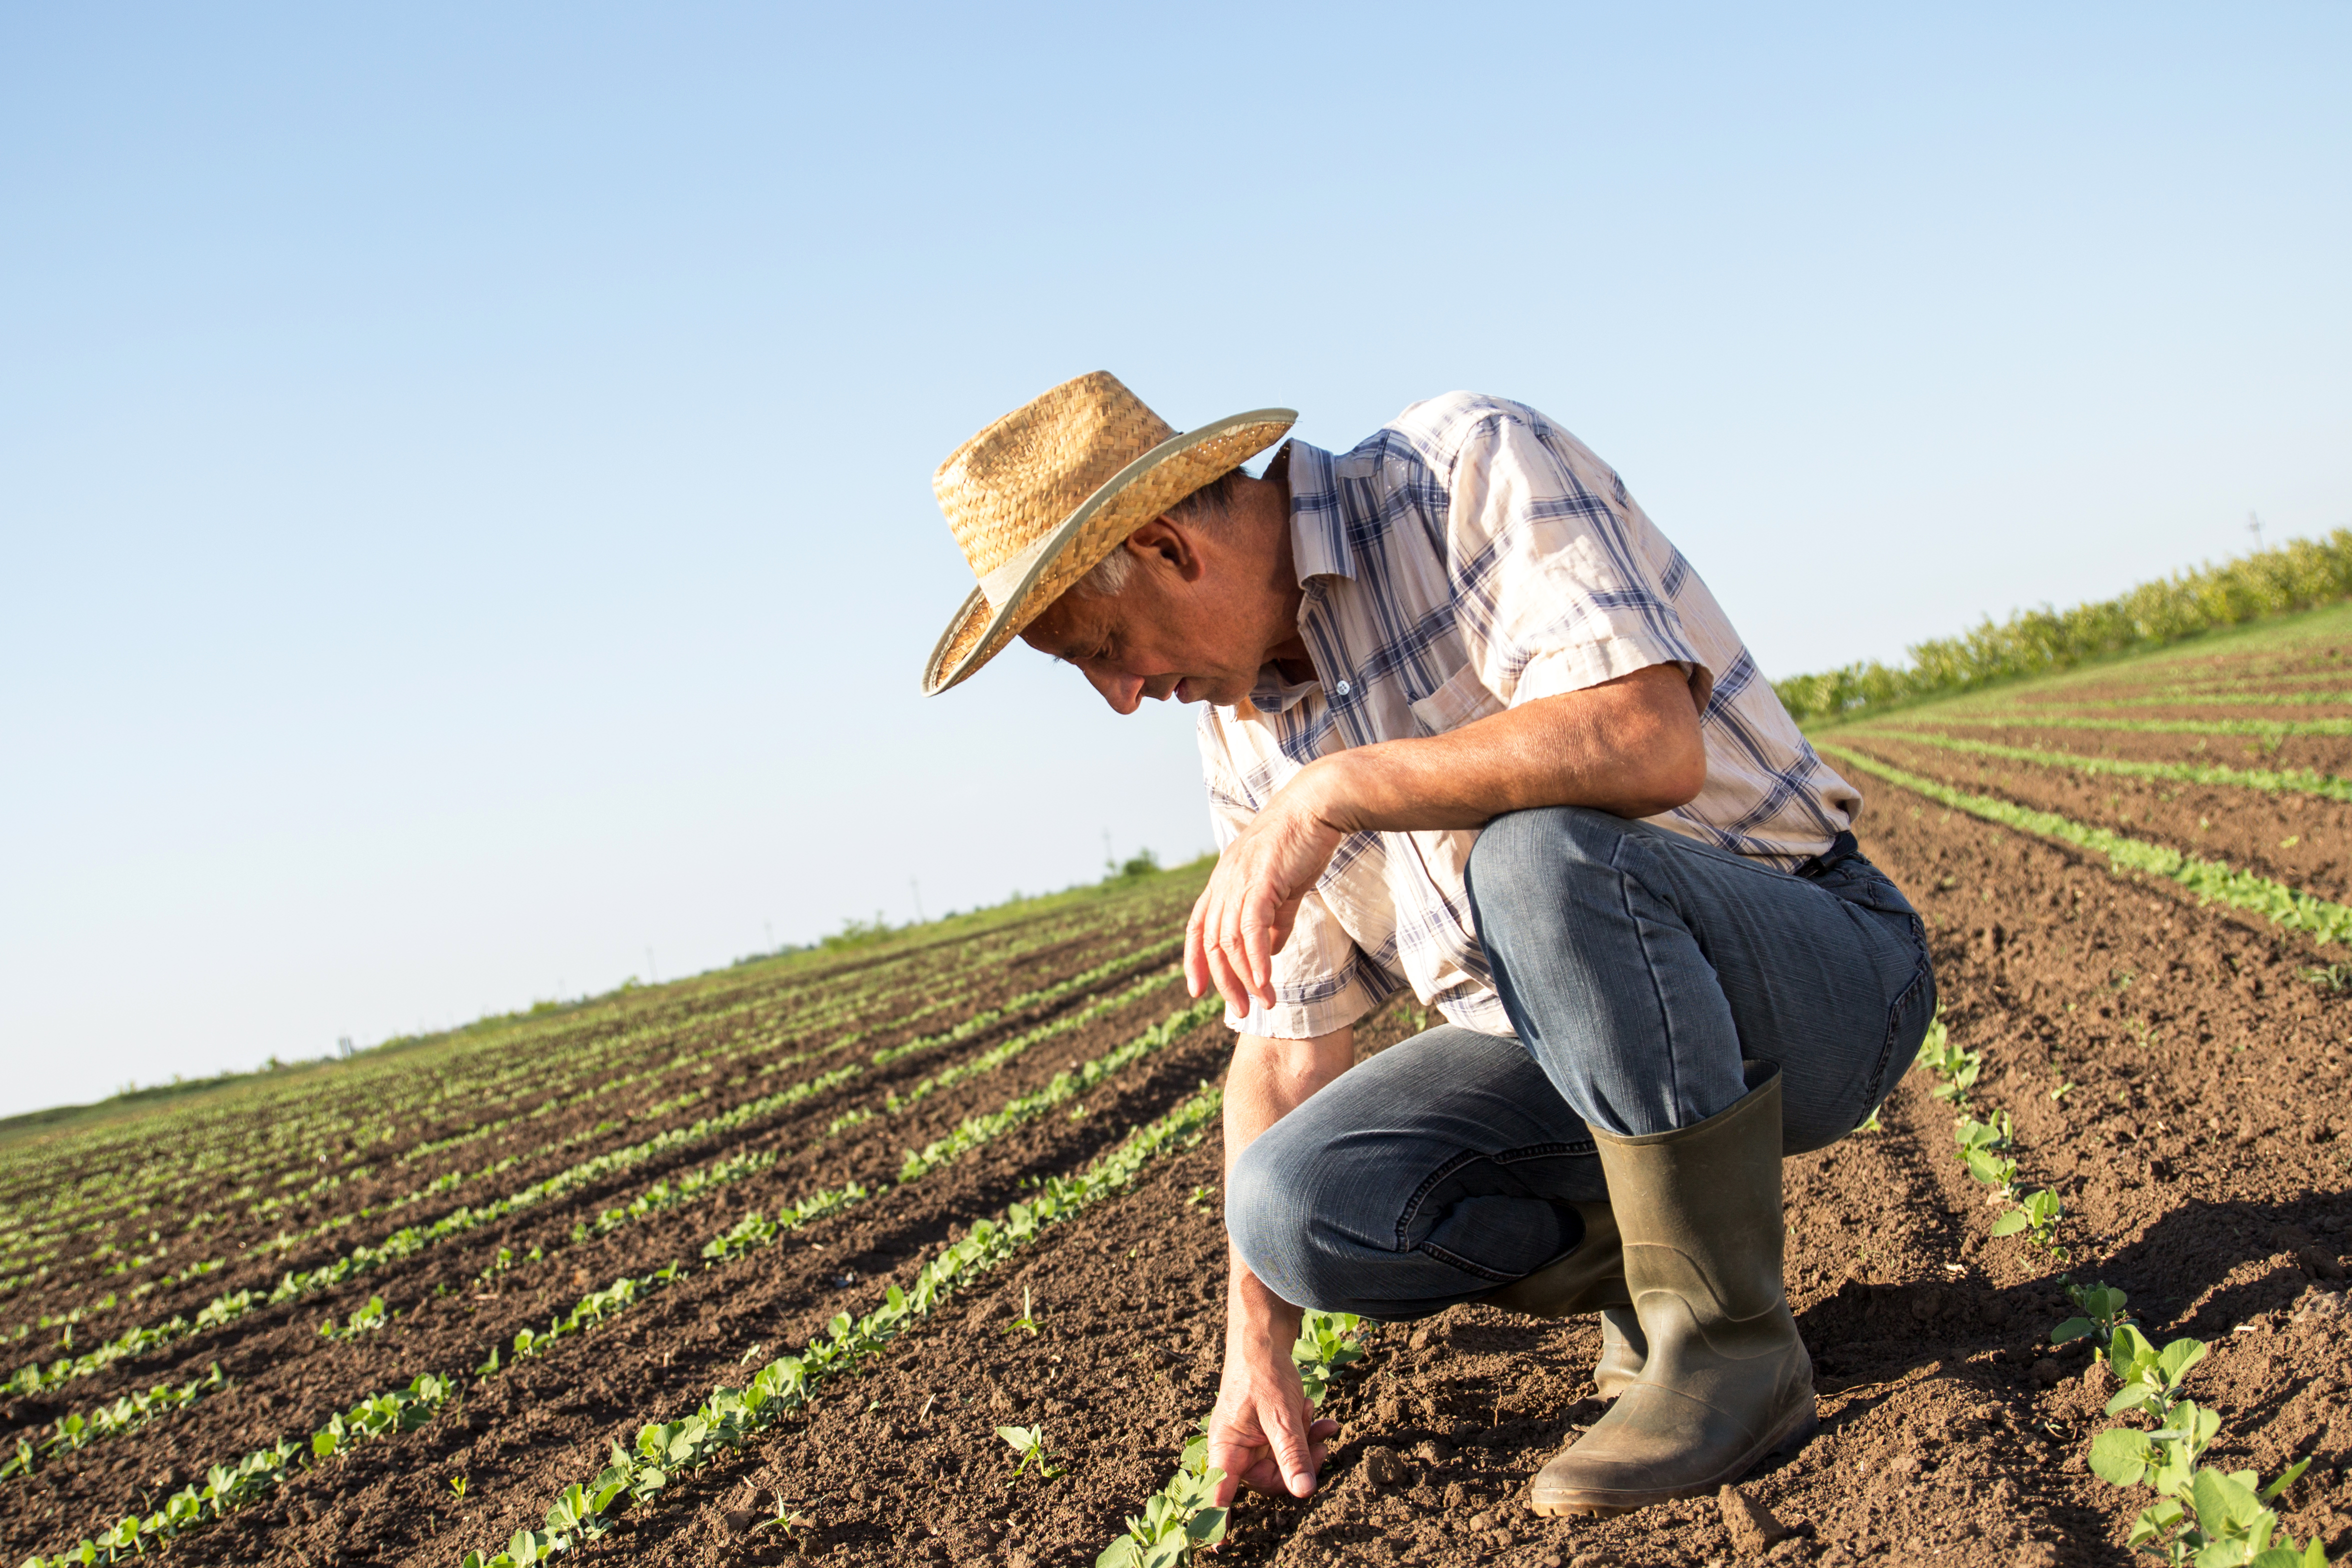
1472,726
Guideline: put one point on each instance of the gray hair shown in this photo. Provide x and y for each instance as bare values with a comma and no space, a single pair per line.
1209,505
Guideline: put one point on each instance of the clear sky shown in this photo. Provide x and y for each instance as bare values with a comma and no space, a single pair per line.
465,470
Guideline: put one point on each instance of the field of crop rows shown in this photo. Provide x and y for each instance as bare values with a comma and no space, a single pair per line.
911,1253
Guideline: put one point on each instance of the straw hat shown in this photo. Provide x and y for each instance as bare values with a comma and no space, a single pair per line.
1039,498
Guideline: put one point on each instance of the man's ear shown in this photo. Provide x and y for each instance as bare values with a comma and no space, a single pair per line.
1170,544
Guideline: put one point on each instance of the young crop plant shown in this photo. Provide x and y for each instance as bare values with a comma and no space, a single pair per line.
1984,1145
1029,1442
362,1320
2202,1516
636,1477
1182,1518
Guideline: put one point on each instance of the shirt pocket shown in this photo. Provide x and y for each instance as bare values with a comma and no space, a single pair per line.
1461,700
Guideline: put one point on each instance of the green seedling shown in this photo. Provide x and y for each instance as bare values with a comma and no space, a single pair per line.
1029,1442
1028,1318
1981,1143
2063,1091
362,1320
2037,1214
1947,1059
787,1518
1203,1194
2151,1377
2202,1517
458,1487
1872,1123
2099,1312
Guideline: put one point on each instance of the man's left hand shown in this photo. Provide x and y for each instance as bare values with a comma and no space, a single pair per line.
1244,915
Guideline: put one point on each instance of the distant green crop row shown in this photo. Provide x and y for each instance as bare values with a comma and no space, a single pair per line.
2038,719
2269,780
2274,901
2298,575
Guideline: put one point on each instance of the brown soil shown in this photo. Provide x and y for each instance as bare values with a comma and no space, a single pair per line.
2198,1151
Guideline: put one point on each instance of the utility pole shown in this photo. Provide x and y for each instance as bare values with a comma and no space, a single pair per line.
916,887
651,978
1109,864
2255,527
770,927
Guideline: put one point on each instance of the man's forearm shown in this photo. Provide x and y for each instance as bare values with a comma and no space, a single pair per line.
1270,1078
1267,1081
1631,746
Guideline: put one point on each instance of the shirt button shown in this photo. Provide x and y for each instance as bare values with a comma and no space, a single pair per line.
1343,688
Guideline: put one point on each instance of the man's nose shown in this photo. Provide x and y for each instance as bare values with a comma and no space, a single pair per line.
1123,693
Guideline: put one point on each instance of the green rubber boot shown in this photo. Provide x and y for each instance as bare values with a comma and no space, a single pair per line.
1725,1379
1592,1278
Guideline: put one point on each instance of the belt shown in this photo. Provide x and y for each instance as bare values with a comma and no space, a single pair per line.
1842,848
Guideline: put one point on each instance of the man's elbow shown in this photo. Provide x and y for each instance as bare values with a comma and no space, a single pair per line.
1676,775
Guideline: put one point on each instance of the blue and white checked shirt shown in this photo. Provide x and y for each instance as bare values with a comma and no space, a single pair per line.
1469,557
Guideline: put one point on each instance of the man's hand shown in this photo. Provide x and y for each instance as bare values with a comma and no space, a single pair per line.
1244,916
1263,1433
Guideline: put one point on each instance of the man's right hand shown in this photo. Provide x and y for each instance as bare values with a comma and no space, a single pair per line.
1263,1433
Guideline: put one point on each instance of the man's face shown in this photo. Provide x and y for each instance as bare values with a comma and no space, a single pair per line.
1184,626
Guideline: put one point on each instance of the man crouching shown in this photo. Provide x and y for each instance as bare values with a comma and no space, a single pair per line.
1471,725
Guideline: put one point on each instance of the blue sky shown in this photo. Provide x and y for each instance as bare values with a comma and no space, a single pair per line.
465,471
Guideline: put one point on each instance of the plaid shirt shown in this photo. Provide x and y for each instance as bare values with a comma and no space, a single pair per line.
1469,557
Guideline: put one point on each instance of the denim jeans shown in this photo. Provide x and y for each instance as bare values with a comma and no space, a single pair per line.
1639,967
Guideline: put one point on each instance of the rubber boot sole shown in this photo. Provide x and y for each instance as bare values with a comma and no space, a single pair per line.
1795,1428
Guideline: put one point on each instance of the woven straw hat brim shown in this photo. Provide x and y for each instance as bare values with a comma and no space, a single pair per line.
1127,501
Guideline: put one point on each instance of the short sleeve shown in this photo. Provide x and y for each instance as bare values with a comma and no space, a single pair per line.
1556,588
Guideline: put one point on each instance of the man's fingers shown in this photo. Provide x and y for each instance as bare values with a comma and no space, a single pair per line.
1228,985
1290,1450
1256,934
1196,960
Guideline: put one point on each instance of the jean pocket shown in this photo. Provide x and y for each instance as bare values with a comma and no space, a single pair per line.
1907,1021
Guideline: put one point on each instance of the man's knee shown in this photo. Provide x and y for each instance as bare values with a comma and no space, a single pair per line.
1285,1213
1523,861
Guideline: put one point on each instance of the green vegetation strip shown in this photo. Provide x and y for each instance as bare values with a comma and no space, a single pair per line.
665,1450
2296,575
133,1410
411,1239
2035,719
2272,781
228,1486
995,1056
2274,901
2235,699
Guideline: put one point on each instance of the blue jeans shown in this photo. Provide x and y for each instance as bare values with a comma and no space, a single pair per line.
1638,967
